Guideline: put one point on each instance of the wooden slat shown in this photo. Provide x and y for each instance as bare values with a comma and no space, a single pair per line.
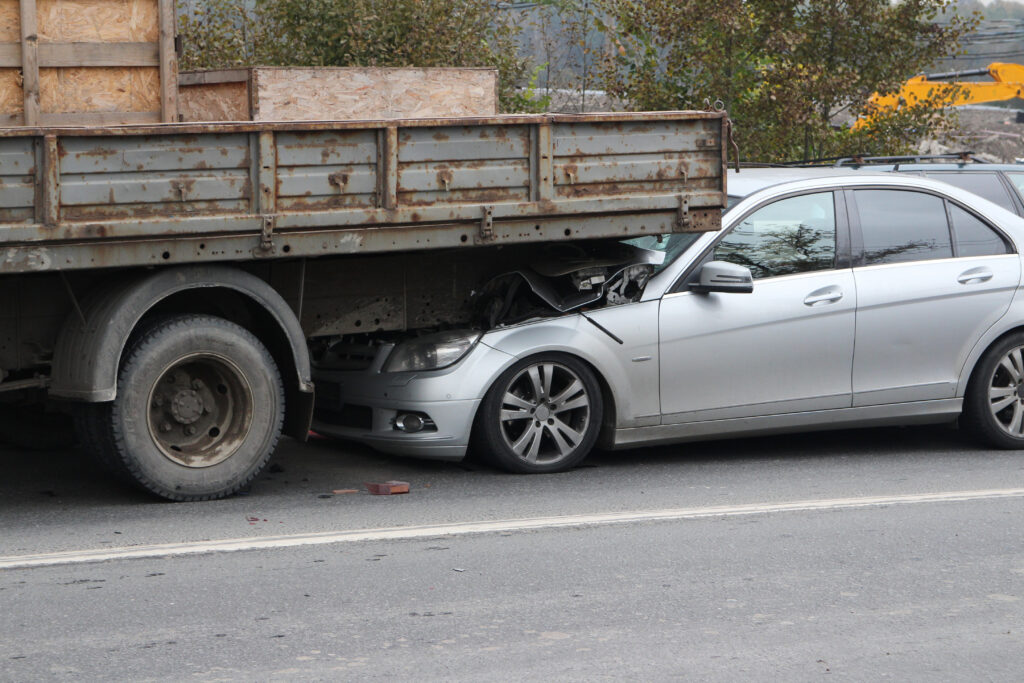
211,77
84,54
30,62
99,118
168,63
10,54
99,54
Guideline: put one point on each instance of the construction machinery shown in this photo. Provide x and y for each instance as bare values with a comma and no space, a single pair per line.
942,90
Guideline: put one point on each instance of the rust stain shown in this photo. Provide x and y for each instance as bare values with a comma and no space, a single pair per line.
444,178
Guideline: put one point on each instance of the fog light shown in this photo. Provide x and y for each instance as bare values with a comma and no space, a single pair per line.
409,423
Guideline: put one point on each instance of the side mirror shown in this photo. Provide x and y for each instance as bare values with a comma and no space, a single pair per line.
719,276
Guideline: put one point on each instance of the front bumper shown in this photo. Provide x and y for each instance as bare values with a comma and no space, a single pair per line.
362,405
448,440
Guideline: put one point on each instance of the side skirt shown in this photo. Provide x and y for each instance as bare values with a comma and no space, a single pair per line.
919,412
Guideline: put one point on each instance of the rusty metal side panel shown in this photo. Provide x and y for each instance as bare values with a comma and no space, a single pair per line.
635,157
130,177
326,170
17,180
463,164
75,199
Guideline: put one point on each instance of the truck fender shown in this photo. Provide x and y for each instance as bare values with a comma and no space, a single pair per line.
87,356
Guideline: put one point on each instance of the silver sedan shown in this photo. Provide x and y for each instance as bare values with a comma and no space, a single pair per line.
824,303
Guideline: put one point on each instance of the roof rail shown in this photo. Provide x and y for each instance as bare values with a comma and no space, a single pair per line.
966,157
957,157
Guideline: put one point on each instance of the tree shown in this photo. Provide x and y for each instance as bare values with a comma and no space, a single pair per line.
425,33
785,69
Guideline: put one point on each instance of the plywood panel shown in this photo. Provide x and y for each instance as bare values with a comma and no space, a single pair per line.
10,24
11,101
94,77
106,21
295,94
100,89
214,102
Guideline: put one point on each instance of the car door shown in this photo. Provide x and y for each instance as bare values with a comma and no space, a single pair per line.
785,347
931,278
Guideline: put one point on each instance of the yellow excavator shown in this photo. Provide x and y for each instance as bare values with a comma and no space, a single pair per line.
942,90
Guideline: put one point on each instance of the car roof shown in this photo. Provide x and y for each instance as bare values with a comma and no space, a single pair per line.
748,180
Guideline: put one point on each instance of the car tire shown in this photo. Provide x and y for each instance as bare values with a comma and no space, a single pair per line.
994,402
198,413
541,415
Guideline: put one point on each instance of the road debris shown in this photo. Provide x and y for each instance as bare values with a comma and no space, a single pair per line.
339,492
387,488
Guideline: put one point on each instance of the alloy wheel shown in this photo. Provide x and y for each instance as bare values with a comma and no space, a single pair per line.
1006,392
545,411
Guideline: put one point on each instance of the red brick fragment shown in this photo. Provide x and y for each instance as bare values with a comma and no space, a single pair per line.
387,488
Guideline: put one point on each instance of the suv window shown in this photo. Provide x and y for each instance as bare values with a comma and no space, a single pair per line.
899,226
1018,181
973,236
792,235
987,185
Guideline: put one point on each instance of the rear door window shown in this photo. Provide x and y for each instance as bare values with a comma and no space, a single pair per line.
973,236
899,226
1018,182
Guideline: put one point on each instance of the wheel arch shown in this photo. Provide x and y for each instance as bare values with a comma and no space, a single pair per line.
91,344
979,351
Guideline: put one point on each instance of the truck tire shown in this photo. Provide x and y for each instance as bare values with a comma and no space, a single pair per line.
541,415
198,412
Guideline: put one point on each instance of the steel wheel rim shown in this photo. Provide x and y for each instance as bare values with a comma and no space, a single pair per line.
1006,392
200,410
545,412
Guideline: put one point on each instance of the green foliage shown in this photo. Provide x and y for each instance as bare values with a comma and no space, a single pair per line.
530,99
395,33
785,69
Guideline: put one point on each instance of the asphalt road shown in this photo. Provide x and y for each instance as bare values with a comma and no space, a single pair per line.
860,555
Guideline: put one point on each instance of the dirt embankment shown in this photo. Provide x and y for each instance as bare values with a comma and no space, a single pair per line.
993,134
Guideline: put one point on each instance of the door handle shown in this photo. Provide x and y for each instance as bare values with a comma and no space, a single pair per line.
974,276
827,295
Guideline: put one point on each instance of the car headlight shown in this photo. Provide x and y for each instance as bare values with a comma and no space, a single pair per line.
431,352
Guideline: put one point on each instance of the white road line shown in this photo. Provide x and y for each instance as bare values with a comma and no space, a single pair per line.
464,528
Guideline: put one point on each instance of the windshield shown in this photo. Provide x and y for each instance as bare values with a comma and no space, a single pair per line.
671,245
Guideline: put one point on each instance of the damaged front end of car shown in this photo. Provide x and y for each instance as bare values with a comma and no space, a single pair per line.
566,278
555,280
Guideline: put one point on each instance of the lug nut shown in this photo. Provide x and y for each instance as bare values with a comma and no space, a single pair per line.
190,430
197,384
165,426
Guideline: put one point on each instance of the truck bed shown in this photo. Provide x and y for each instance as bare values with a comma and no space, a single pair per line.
80,198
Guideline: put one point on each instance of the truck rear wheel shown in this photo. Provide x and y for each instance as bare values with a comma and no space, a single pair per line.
198,412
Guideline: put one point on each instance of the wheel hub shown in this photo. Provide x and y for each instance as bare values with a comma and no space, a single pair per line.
200,410
187,406
542,413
